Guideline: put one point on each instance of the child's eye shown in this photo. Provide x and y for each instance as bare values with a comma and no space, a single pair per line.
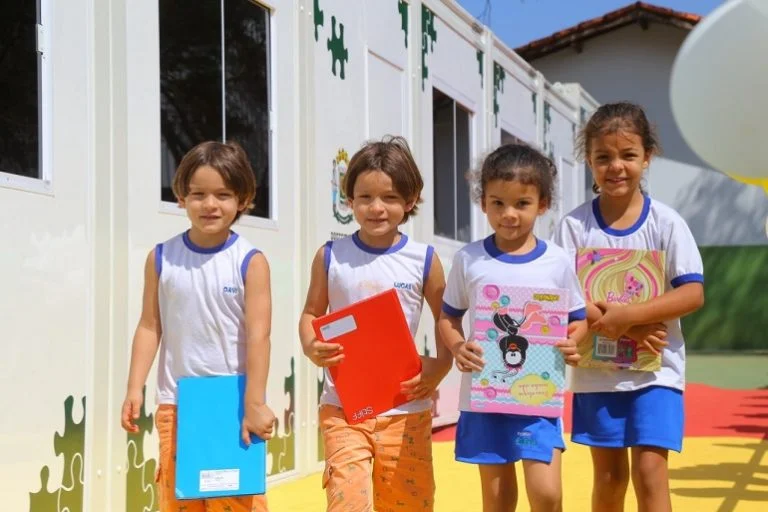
498,203
196,194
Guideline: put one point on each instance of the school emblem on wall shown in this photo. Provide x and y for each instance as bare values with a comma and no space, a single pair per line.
341,210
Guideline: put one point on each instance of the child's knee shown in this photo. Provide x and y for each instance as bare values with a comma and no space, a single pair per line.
546,498
648,474
611,483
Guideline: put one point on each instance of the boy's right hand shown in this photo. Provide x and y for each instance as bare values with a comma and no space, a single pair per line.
324,354
468,355
651,336
131,410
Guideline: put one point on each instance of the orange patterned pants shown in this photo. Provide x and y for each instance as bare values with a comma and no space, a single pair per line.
382,464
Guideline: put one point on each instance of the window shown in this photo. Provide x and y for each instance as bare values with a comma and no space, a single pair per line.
214,84
20,82
451,128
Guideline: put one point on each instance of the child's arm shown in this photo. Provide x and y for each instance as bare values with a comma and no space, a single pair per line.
433,369
257,417
676,303
146,339
468,354
320,353
577,331
651,335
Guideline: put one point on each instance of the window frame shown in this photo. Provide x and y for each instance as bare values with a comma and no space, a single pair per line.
248,220
451,240
43,184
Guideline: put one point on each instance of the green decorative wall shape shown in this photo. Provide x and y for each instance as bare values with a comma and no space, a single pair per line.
428,39
140,489
336,47
283,448
534,97
69,496
402,6
318,18
480,66
499,75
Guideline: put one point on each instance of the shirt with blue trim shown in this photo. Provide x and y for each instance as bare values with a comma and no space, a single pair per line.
201,295
658,228
481,263
357,271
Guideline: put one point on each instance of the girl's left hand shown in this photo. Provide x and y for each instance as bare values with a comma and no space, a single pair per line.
614,323
424,384
258,419
568,347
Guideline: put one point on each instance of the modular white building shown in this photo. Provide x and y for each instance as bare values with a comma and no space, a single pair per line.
100,99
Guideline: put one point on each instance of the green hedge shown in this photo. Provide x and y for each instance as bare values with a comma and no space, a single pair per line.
735,313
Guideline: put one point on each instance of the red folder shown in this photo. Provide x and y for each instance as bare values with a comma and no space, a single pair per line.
379,354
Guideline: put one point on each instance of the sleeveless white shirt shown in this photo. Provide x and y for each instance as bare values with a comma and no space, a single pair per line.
357,271
202,310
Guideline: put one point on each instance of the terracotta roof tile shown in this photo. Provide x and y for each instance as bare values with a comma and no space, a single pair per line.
638,12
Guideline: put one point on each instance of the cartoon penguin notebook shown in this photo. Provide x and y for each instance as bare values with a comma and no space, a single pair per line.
211,458
518,329
619,276
379,354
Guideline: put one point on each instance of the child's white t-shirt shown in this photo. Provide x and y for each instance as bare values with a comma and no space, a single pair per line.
357,271
659,228
202,310
481,262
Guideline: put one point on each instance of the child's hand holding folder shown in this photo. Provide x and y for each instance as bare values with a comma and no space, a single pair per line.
324,354
424,384
257,419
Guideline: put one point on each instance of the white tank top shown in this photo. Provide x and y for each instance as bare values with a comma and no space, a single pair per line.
357,271
201,298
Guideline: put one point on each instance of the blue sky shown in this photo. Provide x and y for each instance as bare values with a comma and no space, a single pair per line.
517,22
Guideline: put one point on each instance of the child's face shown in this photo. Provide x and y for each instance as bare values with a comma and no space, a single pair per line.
378,207
618,161
211,206
512,208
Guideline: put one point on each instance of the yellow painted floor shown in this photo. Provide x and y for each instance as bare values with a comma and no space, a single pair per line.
713,474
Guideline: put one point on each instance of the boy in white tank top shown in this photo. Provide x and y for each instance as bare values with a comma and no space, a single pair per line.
207,308
383,463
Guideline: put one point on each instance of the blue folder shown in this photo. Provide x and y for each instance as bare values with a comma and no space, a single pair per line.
211,459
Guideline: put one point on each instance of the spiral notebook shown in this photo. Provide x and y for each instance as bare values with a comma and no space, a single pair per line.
211,459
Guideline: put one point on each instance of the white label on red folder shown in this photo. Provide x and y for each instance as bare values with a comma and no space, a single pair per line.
219,480
338,327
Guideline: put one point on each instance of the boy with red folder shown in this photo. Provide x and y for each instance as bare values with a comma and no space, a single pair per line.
384,461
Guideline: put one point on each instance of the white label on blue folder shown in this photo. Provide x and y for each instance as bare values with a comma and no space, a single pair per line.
338,327
219,480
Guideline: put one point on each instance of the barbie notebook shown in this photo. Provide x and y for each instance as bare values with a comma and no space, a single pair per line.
524,371
619,276
379,354
211,459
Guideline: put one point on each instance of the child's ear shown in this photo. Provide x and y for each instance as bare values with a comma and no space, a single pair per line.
180,201
410,205
543,206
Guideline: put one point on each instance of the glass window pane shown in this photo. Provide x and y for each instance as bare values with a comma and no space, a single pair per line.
246,38
444,173
463,200
190,81
19,79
